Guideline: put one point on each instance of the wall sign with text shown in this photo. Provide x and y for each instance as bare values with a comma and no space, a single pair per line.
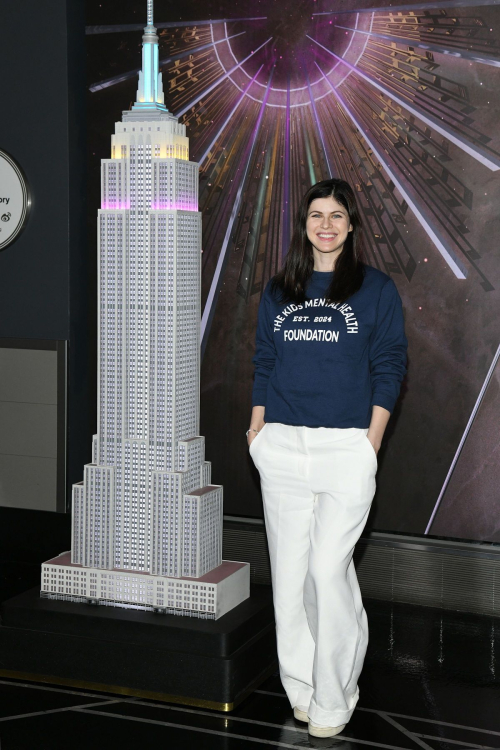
15,200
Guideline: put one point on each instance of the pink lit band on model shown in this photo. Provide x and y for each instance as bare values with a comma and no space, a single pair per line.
158,206
187,205
115,205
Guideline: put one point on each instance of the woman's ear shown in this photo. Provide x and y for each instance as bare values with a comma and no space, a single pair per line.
350,228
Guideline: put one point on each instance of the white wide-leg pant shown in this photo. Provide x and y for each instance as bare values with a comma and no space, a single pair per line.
317,486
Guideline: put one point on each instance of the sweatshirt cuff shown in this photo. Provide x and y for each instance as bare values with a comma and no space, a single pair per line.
384,400
259,397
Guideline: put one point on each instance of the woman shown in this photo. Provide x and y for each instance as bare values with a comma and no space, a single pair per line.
330,357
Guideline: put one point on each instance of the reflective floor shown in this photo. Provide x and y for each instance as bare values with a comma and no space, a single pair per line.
430,680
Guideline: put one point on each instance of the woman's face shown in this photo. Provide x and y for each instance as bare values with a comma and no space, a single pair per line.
327,227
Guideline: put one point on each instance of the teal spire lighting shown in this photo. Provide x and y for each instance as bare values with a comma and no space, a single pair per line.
150,90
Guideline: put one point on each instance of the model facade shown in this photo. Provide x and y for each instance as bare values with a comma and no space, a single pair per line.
147,522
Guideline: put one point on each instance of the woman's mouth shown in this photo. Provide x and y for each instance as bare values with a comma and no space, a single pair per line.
326,237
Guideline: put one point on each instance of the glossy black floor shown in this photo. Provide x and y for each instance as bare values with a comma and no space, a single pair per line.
430,680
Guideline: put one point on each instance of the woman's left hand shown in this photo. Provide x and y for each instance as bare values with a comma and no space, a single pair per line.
375,445
378,423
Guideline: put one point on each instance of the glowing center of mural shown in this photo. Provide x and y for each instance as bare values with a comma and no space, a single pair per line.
284,51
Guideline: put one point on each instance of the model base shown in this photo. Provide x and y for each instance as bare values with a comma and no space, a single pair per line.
209,597
209,663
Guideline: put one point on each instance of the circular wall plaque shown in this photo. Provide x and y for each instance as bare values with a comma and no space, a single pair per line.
15,200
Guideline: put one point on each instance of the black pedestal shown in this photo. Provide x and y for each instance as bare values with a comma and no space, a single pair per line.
209,663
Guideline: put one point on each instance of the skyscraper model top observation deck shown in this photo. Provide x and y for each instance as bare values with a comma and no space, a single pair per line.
147,522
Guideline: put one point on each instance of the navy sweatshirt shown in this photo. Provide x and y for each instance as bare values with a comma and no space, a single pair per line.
323,364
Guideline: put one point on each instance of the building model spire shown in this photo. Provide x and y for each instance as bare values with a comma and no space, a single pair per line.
146,519
150,89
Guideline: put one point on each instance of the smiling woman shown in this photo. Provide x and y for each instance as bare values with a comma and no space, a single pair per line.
326,381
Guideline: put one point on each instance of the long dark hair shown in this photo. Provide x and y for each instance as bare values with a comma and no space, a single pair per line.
291,281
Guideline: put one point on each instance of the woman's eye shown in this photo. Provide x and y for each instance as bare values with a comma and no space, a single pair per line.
319,216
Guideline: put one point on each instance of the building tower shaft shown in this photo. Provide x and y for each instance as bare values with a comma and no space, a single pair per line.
147,522
147,451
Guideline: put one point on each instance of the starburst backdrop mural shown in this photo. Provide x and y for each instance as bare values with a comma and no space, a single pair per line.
402,102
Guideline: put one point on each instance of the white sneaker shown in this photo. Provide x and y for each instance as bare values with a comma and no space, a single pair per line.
300,713
317,731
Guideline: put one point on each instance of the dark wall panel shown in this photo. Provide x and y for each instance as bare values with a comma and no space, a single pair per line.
44,273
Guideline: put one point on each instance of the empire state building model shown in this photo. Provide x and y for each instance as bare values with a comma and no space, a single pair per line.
147,522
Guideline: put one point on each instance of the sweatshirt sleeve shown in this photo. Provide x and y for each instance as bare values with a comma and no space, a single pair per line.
265,352
388,349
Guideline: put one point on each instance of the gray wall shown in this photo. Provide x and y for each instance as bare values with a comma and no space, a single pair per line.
28,428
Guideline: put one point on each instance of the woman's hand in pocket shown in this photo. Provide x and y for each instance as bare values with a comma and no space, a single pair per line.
256,423
375,444
254,431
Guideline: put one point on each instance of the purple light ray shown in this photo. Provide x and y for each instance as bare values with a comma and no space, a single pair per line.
106,82
464,437
111,29
477,152
229,117
219,80
411,7
211,302
285,237
318,125
480,57
453,262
